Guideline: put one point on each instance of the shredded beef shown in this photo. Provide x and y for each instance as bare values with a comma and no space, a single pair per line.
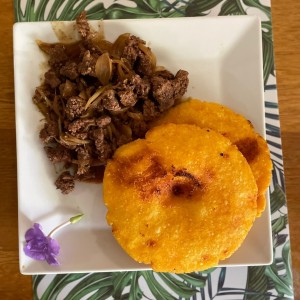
163,92
58,154
49,132
68,89
136,57
127,98
83,153
65,182
83,25
131,50
167,91
102,147
144,64
180,83
85,120
98,136
84,160
110,102
41,94
57,56
74,107
81,125
164,74
141,86
103,121
149,110
69,70
87,65
52,79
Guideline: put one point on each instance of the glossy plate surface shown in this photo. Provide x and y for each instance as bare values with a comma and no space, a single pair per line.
223,56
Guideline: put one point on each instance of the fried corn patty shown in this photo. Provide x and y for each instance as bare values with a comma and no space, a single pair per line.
181,200
233,126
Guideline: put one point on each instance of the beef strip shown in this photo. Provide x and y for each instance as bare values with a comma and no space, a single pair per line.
65,182
69,70
163,92
103,121
42,94
49,132
74,107
141,62
102,147
144,64
68,89
109,101
84,160
180,83
81,125
127,97
167,91
57,56
83,26
52,79
131,50
58,154
141,86
79,128
164,74
88,63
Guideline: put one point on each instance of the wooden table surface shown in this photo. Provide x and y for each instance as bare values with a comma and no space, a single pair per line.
286,29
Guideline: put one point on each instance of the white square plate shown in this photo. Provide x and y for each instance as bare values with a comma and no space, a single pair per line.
223,56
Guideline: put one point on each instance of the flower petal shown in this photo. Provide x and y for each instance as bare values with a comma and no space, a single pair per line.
53,246
34,232
37,255
51,260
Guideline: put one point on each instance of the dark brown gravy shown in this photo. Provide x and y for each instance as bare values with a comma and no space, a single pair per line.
97,174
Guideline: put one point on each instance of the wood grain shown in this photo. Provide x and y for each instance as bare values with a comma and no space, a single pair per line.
13,285
286,29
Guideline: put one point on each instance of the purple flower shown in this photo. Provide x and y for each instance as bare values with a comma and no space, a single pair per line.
41,247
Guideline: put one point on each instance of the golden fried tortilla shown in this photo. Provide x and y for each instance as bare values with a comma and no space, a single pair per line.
180,200
233,126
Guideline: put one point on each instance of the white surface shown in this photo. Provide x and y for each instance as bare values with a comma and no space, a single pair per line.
224,58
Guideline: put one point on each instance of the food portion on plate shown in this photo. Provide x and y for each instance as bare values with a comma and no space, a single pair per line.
236,128
183,180
185,197
180,200
98,95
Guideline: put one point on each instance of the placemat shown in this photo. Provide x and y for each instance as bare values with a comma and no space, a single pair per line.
264,282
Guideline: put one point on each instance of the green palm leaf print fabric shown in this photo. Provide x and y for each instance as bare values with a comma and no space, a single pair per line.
261,282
